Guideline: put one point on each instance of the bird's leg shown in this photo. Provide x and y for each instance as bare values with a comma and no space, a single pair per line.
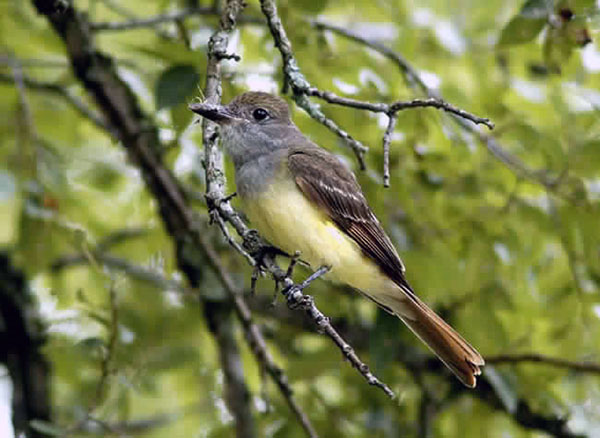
263,255
290,270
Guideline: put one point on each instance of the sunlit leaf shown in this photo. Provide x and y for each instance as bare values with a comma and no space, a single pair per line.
521,30
585,158
527,24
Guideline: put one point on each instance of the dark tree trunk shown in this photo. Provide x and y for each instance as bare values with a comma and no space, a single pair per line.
21,339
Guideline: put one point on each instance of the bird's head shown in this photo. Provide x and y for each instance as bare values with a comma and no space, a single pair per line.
253,107
252,124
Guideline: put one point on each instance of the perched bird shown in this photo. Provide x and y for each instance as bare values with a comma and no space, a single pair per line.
302,198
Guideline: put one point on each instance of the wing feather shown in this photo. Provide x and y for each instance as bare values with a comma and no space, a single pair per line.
326,182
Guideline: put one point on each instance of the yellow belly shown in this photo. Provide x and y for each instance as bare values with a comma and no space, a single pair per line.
288,220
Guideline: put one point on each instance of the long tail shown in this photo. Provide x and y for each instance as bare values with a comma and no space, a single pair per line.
456,353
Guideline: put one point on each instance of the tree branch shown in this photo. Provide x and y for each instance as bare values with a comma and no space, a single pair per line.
137,23
293,77
237,395
581,367
215,190
116,263
173,16
523,413
254,245
409,357
397,106
492,145
301,89
139,136
109,353
21,341
414,360
413,77
65,93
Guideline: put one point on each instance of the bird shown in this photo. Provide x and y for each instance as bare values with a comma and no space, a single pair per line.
301,197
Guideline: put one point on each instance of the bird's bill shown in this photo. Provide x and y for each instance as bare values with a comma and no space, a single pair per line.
216,113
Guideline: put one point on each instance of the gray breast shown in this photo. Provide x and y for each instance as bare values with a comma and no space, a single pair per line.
255,175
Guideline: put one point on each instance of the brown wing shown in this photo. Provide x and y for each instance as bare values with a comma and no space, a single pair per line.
328,184
324,180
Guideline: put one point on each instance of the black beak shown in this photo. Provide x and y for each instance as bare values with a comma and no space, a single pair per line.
216,113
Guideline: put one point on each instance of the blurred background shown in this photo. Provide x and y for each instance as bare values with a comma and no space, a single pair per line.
102,334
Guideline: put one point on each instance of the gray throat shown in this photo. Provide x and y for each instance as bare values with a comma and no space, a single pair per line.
254,176
258,153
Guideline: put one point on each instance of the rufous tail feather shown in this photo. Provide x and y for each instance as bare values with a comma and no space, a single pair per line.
456,353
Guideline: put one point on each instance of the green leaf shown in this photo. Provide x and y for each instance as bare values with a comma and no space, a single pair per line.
585,158
181,117
527,24
310,6
561,41
46,428
175,84
521,30
91,343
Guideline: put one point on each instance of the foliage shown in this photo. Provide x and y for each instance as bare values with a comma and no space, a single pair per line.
514,264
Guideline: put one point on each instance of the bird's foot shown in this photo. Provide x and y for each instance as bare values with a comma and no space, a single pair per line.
262,253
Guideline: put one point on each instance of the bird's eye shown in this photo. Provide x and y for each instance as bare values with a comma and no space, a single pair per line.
260,114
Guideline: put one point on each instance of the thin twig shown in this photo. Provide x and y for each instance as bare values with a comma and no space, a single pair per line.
118,8
489,141
216,193
6,60
139,136
296,299
135,271
65,93
216,217
294,78
152,21
19,80
443,105
387,138
220,205
301,89
407,69
120,236
108,354
511,161
400,105
251,241
584,367
173,16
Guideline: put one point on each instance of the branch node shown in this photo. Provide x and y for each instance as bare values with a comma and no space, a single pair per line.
220,55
